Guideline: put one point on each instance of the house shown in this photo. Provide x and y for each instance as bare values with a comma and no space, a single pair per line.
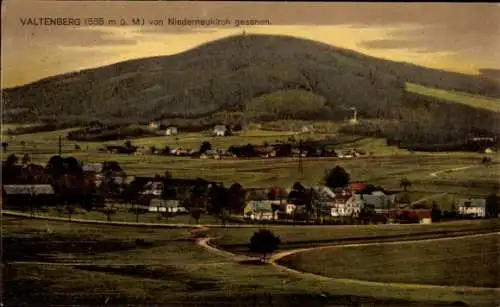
92,167
289,209
171,130
220,130
377,199
265,152
357,186
471,206
162,205
345,205
153,188
324,193
260,209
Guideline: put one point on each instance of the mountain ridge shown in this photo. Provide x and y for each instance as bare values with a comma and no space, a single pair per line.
228,73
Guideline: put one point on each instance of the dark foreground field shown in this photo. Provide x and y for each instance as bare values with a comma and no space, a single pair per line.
58,263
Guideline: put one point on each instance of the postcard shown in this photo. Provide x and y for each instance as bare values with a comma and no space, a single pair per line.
250,153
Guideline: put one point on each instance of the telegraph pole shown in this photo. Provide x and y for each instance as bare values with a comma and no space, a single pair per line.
300,156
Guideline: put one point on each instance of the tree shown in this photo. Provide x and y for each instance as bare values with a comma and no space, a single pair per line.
5,145
298,186
205,146
492,206
435,213
218,199
236,197
196,214
486,160
264,242
12,160
109,210
405,183
26,159
111,166
70,209
224,216
167,175
138,210
128,144
337,177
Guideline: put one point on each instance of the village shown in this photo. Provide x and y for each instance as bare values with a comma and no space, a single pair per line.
69,184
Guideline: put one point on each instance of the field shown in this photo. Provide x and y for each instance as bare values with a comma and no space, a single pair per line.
126,265
456,262
475,101
294,236
386,167
124,215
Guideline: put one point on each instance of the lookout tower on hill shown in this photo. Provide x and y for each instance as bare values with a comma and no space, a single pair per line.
354,119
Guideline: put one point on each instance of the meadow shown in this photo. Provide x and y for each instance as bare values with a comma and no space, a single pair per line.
101,264
471,261
385,167
294,236
475,101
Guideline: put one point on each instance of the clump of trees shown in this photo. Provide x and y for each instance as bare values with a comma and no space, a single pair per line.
337,177
264,242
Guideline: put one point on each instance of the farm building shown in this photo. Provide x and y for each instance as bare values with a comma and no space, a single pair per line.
92,167
471,206
162,205
220,130
260,209
171,130
153,188
377,199
325,193
345,205
357,186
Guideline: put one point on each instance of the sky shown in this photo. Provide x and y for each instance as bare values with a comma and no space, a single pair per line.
451,36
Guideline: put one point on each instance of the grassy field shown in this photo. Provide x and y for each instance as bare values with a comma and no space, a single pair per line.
296,235
386,167
457,262
475,101
126,265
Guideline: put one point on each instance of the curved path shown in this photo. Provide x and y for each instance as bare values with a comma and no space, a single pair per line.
455,169
276,257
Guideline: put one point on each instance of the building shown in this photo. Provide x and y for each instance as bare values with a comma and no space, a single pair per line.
171,130
378,200
153,188
220,130
154,125
92,167
345,205
260,209
471,206
162,205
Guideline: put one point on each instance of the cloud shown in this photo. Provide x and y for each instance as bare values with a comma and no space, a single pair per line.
457,37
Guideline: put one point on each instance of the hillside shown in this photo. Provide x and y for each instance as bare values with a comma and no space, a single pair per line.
228,72
253,74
